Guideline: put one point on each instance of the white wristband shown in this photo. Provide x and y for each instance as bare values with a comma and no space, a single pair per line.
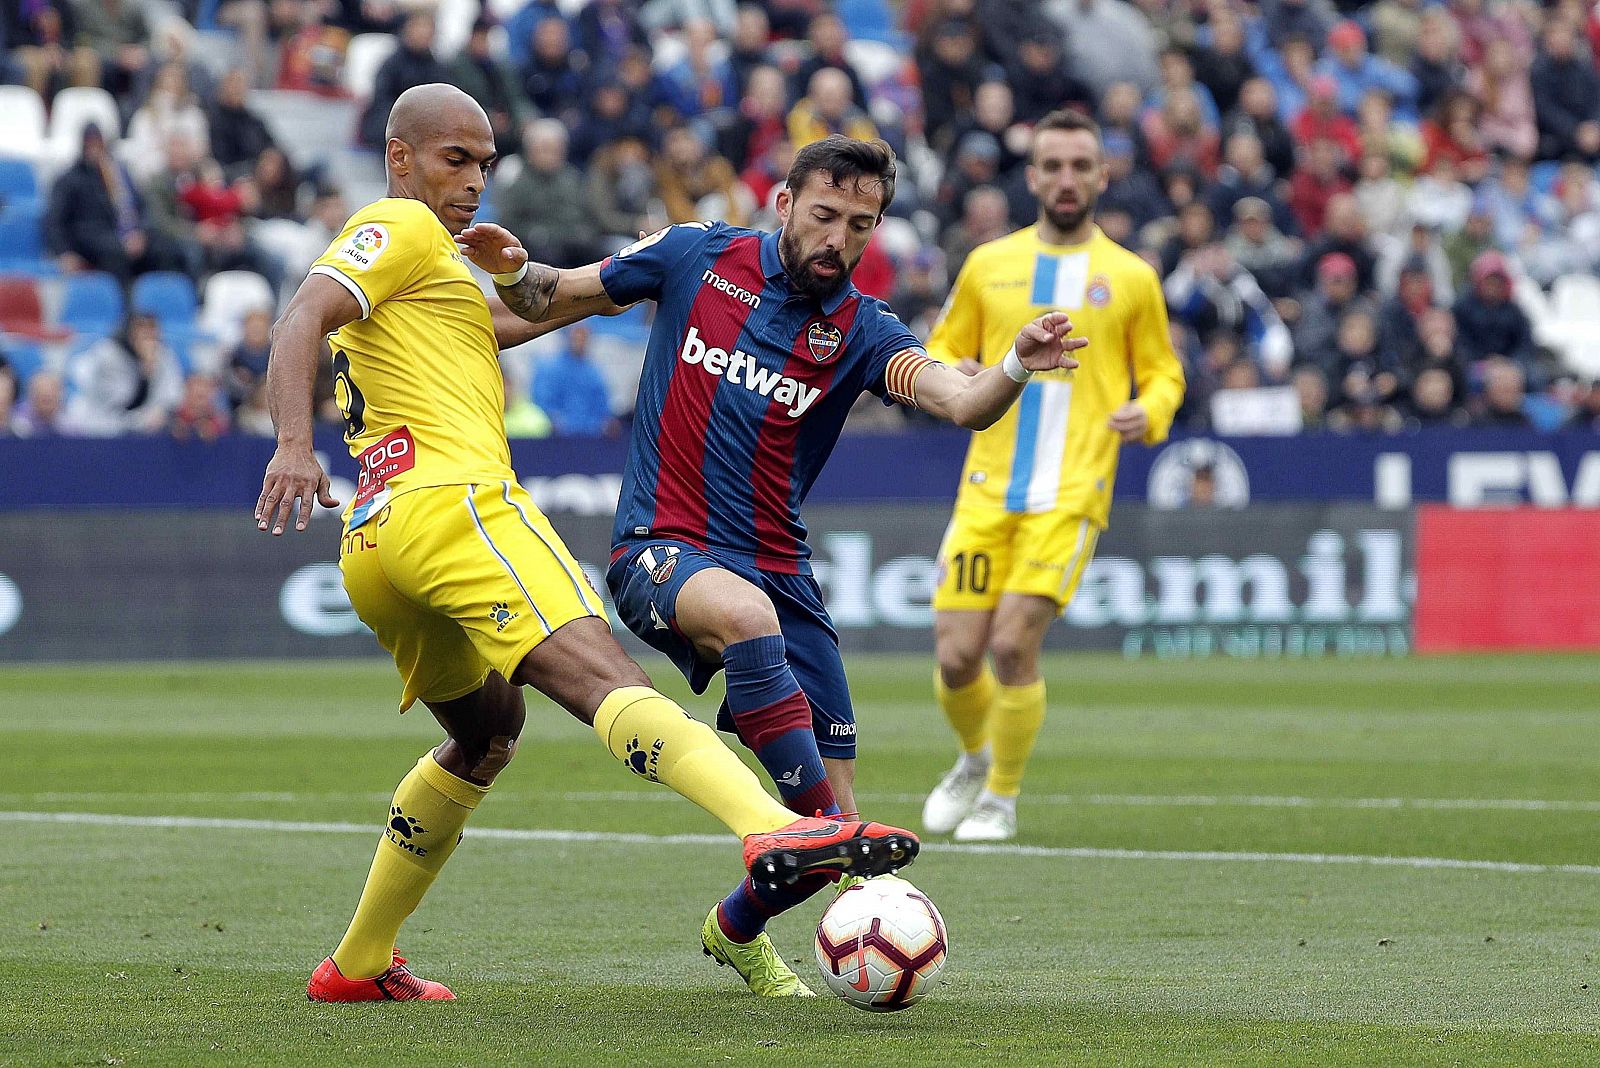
1012,366
511,278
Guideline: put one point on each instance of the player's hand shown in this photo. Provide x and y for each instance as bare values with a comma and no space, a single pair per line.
292,476
492,247
1043,345
1131,421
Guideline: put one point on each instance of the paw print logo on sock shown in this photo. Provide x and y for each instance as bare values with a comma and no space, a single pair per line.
502,614
402,829
404,825
641,761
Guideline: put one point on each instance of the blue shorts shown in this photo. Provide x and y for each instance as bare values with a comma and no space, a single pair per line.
644,579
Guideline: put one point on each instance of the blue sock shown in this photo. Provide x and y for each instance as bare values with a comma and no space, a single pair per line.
773,718
743,914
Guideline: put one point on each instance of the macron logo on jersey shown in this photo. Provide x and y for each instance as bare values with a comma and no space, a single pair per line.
739,293
741,369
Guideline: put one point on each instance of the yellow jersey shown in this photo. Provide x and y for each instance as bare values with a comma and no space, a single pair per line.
417,377
1053,450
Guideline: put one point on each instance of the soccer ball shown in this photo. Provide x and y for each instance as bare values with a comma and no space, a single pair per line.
881,944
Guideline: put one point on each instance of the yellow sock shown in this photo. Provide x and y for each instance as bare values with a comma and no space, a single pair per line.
430,808
1018,714
664,744
967,707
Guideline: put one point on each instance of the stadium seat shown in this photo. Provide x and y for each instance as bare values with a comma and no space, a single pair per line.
454,19
230,296
1571,325
27,358
92,304
22,241
75,108
19,184
876,61
362,59
21,122
22,310
872,20
168,296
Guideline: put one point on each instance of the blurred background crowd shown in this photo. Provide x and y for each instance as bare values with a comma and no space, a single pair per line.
1369,217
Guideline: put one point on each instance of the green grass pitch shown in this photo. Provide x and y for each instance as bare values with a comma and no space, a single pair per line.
1205,882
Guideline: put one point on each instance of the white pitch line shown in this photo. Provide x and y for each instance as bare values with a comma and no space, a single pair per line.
621,838
1447,804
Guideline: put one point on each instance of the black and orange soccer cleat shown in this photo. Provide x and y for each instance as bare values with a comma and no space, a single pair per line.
396,984
809,846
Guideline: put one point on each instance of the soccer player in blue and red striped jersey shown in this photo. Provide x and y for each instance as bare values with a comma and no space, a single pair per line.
760,347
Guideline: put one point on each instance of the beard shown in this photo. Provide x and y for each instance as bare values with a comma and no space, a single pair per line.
1068,221
802,277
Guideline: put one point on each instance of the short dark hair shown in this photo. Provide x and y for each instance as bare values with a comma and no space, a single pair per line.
846,159
1067,119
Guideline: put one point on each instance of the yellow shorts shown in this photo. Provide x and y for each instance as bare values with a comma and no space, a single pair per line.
988,552
456,580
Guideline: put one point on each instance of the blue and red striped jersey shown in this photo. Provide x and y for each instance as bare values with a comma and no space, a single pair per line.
745,388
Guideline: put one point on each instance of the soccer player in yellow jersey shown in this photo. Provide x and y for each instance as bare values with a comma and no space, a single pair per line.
448,561
1036,489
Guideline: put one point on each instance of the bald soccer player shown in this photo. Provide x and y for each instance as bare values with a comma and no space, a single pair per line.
449,562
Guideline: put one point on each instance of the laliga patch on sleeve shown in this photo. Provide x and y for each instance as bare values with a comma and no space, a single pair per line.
363,247
644,243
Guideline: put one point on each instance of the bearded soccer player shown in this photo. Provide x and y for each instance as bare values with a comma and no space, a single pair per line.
448,561
760,347
1036,490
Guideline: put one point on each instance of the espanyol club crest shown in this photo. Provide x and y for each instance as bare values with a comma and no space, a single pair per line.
1099,292
823,340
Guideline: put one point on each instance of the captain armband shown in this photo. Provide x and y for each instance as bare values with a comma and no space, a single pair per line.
901,375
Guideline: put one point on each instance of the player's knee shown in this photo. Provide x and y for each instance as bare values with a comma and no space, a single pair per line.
960,658
1016,657
744,618
493,757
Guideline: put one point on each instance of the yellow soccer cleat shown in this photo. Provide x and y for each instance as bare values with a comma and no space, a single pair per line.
757,962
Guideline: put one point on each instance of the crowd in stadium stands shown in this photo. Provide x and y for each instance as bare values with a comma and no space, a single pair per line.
1367,216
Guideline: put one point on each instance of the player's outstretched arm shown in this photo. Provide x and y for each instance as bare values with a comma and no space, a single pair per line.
534,291
320,306
977,401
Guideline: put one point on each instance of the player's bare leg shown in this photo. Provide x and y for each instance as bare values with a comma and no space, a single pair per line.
582,668
729,619
965,688
425,820
1016,635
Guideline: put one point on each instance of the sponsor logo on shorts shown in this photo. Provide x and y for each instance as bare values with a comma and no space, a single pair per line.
978,478
841,730
659,562
502,614
1044,565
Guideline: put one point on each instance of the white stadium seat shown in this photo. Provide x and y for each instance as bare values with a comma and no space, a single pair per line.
75,108
362,59
230,296
21,122
453,21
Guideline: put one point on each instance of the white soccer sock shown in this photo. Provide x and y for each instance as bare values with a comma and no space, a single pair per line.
987,799
975,763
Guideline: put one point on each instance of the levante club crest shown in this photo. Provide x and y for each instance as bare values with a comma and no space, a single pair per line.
823,340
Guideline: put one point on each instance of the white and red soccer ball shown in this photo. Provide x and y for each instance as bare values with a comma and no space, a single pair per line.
881,944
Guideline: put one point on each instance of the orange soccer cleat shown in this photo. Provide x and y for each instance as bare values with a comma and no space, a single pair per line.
836,847
396,984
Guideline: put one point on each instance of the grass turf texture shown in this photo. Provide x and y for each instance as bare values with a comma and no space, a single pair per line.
142,945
